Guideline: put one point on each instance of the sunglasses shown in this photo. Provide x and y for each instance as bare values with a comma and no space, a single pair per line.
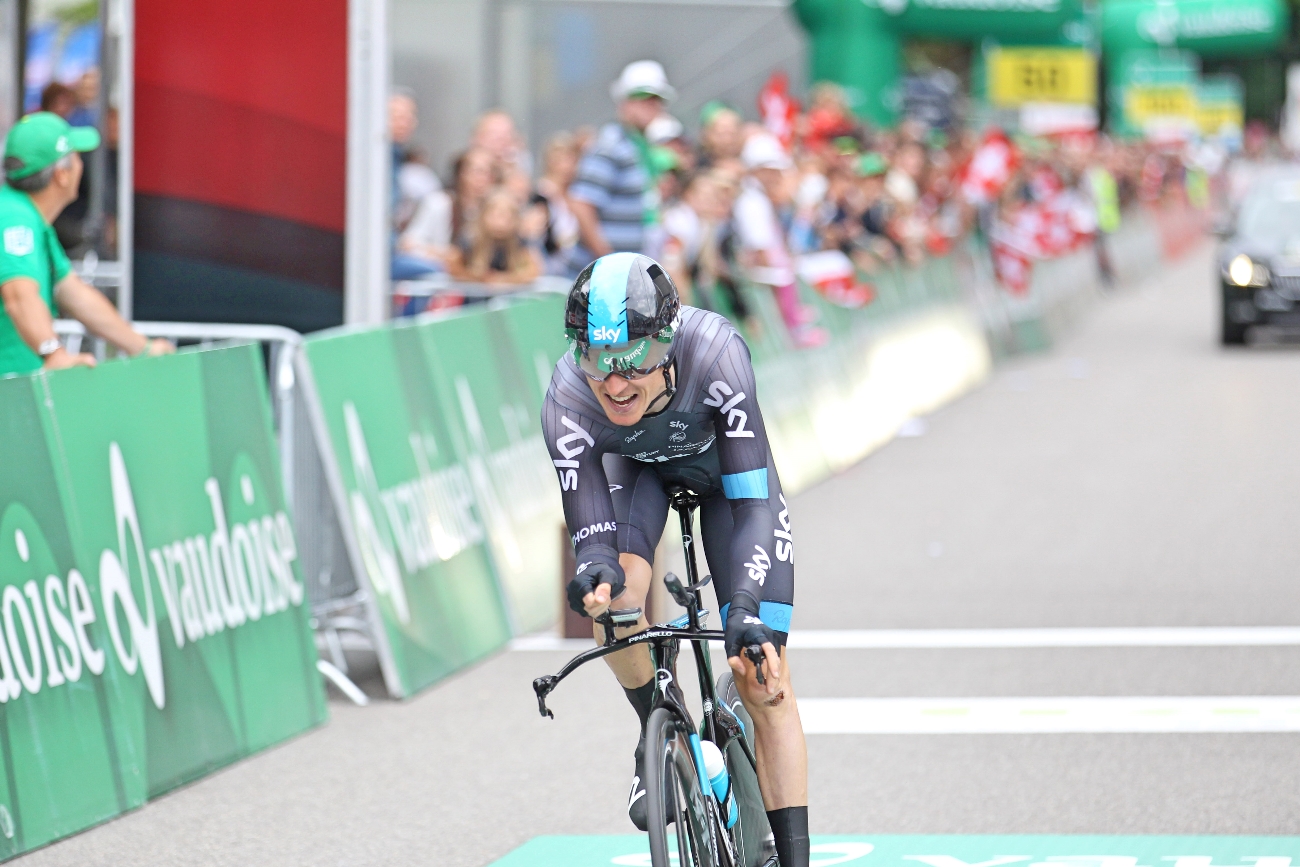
632,360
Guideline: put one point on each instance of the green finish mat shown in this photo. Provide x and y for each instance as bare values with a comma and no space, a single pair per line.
948,850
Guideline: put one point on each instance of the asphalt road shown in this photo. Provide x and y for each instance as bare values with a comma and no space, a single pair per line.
1136,476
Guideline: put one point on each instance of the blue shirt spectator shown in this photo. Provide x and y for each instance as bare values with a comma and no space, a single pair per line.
613,180
614,197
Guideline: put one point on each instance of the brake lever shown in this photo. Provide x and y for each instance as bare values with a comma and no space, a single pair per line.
543,686
755,654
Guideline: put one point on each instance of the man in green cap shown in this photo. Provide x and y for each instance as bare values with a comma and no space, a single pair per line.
42,169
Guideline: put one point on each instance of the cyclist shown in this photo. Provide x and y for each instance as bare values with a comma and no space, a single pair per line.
656,394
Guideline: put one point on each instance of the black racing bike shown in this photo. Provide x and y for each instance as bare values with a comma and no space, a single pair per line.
676,781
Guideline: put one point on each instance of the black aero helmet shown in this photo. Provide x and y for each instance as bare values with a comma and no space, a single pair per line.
621,316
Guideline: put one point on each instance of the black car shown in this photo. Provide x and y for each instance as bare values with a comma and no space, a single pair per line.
1259,261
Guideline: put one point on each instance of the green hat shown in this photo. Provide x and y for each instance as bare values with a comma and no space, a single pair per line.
42,139
871,164
712,109
663,159
846,145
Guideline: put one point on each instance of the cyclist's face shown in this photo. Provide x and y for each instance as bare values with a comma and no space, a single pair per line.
624,400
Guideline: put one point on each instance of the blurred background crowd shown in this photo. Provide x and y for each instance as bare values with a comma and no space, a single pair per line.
770,194
795,144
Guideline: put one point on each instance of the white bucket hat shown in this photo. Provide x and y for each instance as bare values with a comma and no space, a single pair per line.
643,76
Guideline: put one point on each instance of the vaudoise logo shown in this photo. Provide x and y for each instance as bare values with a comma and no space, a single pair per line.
221,578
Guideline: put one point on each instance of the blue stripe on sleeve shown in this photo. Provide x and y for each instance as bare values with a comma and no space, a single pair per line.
746,486
775,615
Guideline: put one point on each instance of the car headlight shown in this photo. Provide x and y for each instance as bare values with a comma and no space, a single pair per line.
1244,272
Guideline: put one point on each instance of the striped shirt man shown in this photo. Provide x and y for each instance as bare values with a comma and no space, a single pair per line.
613,179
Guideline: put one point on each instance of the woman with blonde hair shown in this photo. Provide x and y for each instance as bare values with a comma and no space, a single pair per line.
495,252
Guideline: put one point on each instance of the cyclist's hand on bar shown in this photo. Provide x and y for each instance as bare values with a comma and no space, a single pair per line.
747,671
743,630
593,587
597,603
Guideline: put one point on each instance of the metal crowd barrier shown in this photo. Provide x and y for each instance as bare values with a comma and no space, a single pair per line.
336,599
413,297
441,283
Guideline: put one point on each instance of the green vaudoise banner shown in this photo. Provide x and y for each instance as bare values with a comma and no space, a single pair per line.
152,609
452,504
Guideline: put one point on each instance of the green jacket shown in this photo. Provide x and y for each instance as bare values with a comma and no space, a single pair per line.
28,248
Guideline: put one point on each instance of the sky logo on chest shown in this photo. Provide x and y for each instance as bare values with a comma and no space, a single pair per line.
607,299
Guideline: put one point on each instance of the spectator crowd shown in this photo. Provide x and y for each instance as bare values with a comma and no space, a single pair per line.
801,195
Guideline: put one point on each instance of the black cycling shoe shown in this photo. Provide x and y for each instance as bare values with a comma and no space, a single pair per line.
637,810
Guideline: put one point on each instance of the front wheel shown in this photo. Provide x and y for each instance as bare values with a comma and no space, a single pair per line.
752,835
672,784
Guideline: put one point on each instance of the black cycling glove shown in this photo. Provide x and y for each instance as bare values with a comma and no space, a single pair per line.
743,626
591,574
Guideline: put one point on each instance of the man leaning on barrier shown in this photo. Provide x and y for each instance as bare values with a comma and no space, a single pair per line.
42,168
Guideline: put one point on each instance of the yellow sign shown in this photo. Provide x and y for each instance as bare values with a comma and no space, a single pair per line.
1213,117
1145,101
1021,75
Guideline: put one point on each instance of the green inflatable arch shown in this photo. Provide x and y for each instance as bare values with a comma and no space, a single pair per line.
858,43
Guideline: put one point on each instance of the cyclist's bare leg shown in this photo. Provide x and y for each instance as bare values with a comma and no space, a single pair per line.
633,666
780,749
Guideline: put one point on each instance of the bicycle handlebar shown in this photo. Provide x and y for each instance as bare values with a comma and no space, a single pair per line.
543,686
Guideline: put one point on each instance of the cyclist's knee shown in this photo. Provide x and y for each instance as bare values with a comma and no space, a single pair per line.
637,572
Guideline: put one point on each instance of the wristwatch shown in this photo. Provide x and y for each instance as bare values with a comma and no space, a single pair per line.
49,347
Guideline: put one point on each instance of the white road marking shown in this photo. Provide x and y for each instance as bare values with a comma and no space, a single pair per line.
939,639
1193,636
1051,715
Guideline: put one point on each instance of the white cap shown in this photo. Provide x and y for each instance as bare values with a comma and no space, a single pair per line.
663,129
763,151
643,76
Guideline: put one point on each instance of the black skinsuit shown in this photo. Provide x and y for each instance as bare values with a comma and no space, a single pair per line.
710,438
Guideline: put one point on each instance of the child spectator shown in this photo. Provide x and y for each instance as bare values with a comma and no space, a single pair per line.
495,252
